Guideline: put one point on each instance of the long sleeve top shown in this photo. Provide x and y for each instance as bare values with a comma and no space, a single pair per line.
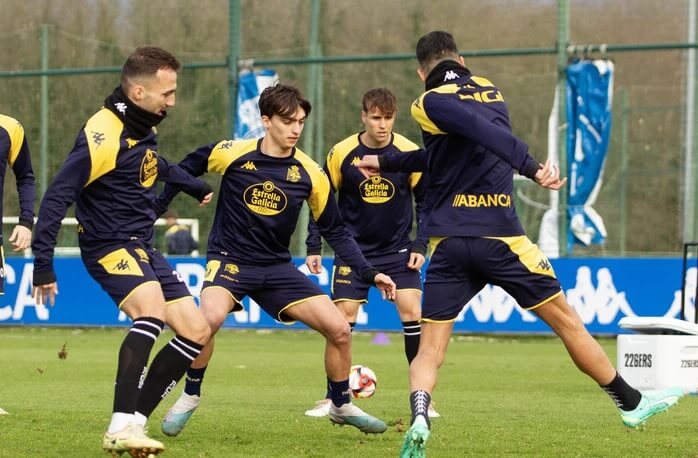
15,153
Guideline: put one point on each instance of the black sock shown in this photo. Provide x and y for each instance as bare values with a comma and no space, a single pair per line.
625,396
419,403
194,379
133,359
339,392
412,330
167,368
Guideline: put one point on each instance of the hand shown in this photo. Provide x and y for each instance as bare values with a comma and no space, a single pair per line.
45,294
21,238
206,200
386,285
416,261
314,263
548,176
369,166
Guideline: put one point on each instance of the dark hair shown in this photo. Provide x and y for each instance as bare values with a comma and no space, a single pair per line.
146,61
435,47
282,100
381,99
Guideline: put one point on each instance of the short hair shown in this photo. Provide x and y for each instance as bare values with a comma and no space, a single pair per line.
145,61
282,100
381,99
435,47
170,214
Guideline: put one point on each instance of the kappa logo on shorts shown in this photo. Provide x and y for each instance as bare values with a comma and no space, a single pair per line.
122,265
344,270
232,269
544,264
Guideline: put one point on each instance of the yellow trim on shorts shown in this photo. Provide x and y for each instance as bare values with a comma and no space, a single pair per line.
360,301
543,302
409,289
236,308
134,290
429,320
433,243
172,301
278,315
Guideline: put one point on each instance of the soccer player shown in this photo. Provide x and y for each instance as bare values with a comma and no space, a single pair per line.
476,237
110,173
378,213
265,183
15,153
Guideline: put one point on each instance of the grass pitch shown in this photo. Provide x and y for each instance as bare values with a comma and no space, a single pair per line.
498,396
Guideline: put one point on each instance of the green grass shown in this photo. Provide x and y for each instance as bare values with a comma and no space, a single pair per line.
498,396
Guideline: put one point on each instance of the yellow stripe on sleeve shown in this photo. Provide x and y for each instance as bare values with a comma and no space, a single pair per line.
227,151
320,192
336,157
103,134
16,133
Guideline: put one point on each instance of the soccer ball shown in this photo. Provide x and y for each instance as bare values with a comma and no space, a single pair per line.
362,382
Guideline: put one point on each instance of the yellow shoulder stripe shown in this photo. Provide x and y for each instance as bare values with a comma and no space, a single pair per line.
404,144
16,133
103,134
336,157
420,115
227,151
482,82
320,191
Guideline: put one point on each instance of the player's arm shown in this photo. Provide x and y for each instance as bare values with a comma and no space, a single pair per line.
61,193
393,161
418,183
20,161
329,222
193,165
313,241
447,113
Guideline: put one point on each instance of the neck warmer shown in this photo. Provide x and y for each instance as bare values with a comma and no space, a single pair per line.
138,122
445,71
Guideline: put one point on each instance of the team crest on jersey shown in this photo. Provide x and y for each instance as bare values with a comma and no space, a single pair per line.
142,255
376,190
232,269
149,168
293,175
344,270
265,199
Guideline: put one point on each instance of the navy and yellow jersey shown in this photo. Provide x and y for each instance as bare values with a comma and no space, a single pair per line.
470,154
111,177
259,202
377,211
15,153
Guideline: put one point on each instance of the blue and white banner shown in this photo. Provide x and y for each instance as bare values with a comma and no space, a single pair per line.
589,101
602,290
248,123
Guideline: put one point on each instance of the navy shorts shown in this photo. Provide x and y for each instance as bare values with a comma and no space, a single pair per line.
348,286
461,266
275,287
121,268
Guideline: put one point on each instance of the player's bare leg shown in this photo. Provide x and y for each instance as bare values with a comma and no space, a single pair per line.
635,407
216,303
320,314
